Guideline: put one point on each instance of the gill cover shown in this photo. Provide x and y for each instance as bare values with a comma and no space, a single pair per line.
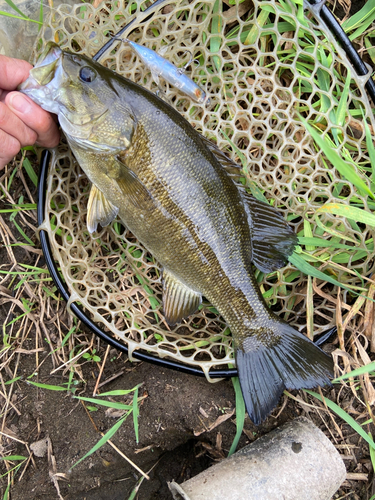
76,89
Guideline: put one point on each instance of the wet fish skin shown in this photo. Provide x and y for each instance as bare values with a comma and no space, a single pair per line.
172,190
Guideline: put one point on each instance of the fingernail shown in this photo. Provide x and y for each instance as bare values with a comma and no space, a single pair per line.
20,103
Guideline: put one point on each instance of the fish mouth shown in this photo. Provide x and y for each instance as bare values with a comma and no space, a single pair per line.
45,68
45,78
48,86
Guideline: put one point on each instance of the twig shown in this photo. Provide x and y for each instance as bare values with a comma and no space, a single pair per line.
126,458
101,370
12,437
110,379
70,360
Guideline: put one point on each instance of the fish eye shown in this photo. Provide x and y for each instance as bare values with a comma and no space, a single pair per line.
87,74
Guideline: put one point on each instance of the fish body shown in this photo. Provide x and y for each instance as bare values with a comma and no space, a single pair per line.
159,66
171,188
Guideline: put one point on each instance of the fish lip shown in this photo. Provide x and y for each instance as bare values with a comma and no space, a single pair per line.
51,56
29,84
44,94
44,81
51,53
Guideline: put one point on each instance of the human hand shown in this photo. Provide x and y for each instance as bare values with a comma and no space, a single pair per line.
22,122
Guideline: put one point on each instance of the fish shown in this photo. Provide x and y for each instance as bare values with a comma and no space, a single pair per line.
175,191
159,66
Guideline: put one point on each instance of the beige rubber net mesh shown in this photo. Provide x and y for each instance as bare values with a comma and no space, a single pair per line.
261,72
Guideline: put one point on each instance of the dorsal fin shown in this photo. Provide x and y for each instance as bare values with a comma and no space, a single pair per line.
179,301
272,239
231,167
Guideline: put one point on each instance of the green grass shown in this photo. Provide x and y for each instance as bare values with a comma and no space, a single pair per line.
320,244
240,414
20,15
128,409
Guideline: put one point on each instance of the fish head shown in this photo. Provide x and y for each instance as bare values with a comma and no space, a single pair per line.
77,90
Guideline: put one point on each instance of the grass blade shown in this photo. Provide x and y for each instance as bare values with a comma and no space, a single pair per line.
310,270
345,416
240,414
136,414
356,214
47,386
360,21
342,107
319,242
216,27
371,152
356,21
372,453
108,404
30,171
15,8
346,170
261,21
370,367
41,13
6,14
103,440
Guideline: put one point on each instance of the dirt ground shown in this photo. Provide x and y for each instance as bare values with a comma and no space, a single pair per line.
174,441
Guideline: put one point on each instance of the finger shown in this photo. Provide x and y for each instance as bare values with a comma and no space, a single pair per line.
13,72
9,148
36,119
13,126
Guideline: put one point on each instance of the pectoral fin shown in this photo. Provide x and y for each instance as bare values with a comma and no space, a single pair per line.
272,239
179,301
131,186
99,210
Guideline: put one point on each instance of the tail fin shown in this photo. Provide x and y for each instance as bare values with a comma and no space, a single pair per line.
282,359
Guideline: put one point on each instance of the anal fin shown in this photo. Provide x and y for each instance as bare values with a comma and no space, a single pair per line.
99,210
179,301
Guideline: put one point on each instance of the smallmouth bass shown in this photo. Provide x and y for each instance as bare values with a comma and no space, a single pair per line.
172,189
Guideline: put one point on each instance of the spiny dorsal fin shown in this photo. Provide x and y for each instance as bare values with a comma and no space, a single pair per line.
99,210
231,167
179,301
272,239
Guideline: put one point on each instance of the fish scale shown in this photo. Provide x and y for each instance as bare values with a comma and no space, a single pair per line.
171,188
